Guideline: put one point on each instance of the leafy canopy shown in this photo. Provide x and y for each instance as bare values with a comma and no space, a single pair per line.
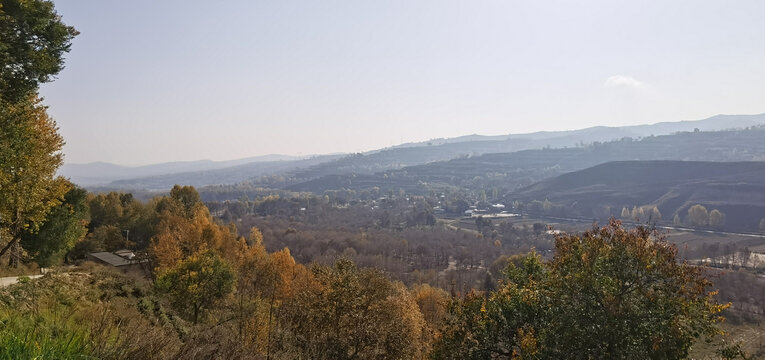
64,226
608,293
29,156
197,283
33,41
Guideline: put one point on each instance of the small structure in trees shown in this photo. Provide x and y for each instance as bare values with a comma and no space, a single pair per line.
124,260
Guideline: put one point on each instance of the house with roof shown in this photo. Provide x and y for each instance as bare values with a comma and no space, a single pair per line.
125,260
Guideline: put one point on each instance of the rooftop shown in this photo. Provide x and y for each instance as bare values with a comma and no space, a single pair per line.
113,259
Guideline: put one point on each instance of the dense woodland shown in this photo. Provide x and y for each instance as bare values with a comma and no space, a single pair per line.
210,292
342,273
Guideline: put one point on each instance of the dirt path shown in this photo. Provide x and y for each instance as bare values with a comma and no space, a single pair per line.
5,281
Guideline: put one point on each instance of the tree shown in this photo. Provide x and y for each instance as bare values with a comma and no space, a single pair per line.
432,303
197,283
64,226
608,293
105,209
654,214
185,227
110,238
637,213
504,326
29,156
187,198
716,218
264,282
639,301
33,41
103,238
351,313
698,215
129,215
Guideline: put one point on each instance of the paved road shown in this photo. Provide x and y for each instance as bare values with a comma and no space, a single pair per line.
13,279
657,226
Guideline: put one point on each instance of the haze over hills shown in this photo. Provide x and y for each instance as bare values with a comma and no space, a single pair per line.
200,173
99,173
227,175
510,171
599,133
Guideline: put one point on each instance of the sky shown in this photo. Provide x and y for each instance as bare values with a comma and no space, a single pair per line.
153,81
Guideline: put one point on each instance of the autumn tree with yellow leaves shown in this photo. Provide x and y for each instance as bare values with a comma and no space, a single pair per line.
30,154
349,313
185,227
197,283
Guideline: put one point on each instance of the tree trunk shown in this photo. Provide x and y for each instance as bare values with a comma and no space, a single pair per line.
270,312
15,254
8,246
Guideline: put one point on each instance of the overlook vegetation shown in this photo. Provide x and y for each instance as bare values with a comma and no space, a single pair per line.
216,294
368,256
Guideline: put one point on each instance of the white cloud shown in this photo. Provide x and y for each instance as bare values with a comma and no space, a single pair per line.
623,81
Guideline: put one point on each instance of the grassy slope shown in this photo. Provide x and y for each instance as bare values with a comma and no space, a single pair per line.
87,313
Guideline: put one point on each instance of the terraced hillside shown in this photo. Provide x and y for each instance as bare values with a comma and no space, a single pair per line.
737,189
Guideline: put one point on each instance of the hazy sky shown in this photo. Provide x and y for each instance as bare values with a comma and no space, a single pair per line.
154,81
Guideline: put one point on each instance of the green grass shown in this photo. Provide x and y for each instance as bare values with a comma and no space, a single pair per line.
86,313
40,337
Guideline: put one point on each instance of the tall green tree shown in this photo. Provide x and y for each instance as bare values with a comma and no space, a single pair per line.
134,219
609,293
30,153
618,293
33,41
65,225
506,325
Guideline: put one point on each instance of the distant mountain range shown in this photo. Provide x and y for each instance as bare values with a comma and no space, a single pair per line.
510,171
226,175
601,133
291,171
100,173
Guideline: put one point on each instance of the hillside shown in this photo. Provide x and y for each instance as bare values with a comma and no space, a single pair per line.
603,133
227,175
472,145
735,188
164,176
510,171
100,173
